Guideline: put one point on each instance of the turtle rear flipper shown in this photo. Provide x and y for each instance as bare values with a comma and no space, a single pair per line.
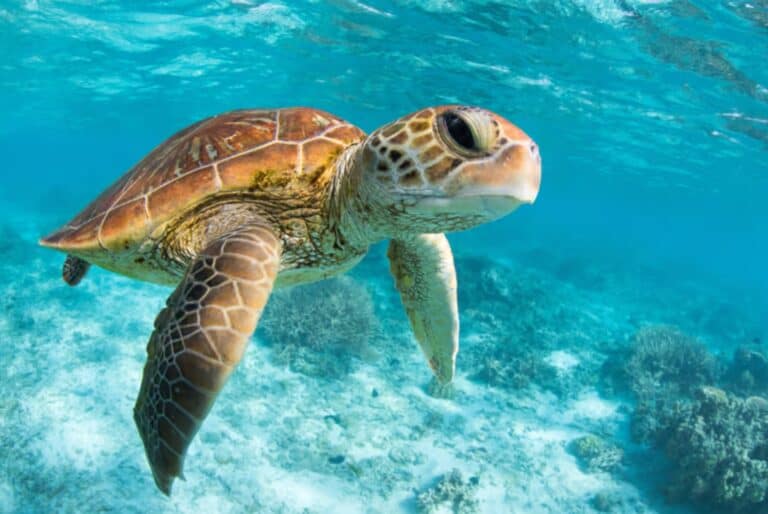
74,270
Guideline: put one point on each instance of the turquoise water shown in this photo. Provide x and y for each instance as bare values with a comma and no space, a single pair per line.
652,119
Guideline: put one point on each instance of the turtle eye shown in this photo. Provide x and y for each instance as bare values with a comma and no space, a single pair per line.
468,132
459,130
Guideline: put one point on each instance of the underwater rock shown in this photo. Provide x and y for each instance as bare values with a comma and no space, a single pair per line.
719,448
316,329
596,454
452,491
748,372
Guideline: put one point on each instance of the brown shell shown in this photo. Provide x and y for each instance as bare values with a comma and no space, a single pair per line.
238,150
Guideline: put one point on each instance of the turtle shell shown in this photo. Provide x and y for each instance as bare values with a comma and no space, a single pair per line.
240,150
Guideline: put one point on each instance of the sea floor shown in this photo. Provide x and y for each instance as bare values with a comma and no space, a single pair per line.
332,408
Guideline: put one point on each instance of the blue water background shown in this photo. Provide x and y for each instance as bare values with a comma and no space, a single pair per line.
652,117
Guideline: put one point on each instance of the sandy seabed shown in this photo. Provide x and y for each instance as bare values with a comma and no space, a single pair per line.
332,408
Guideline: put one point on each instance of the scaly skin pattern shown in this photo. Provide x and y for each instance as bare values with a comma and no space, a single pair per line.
406,162
300,169
238,204
422,267
409,154
199,338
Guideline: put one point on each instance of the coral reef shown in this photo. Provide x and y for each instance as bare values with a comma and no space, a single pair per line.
497,297
748,372
717,443
596,454
510,312
500,306
450,490
719,447
664,358
278,442
664,367
317,329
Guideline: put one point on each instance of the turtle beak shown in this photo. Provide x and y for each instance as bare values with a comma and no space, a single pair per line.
502,184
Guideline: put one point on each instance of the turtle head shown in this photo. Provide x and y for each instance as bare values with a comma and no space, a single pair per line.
450,168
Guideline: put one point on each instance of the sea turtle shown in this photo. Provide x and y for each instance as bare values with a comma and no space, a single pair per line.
245,201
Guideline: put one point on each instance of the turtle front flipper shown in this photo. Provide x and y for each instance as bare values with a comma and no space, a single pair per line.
199,338
426,278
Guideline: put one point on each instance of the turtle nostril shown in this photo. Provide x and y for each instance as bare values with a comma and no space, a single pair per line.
534,149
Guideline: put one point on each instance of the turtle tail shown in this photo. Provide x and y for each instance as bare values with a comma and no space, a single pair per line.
74,270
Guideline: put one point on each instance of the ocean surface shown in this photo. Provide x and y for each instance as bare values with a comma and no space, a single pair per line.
614,344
